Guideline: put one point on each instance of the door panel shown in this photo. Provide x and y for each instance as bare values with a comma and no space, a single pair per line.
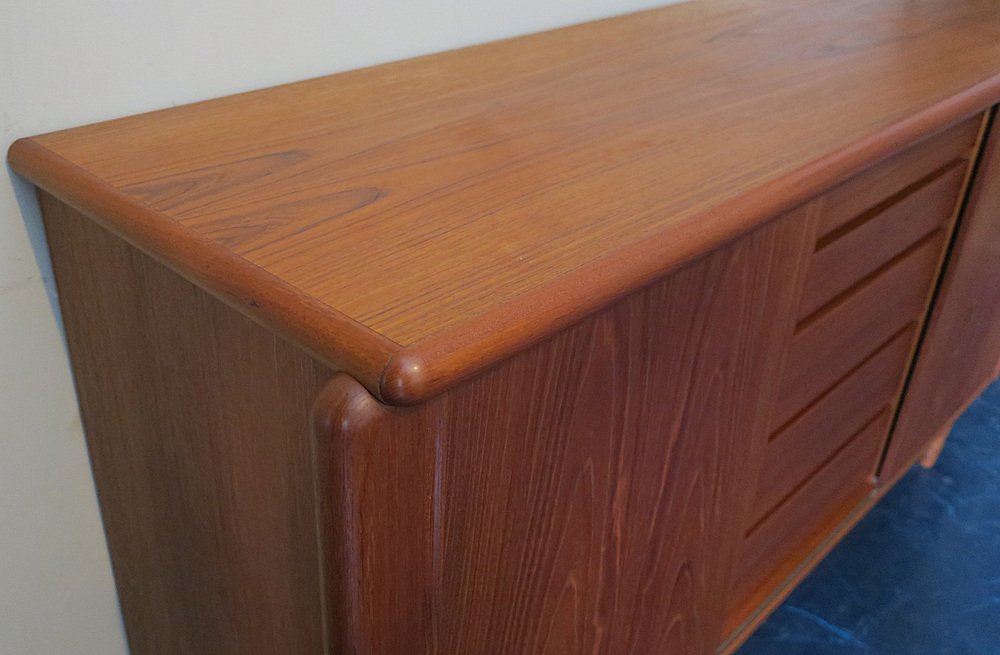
958,355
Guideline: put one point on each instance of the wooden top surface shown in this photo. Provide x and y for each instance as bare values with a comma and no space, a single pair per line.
416,221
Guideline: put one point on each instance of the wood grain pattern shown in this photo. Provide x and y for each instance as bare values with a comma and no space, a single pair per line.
379,504
832,343
797,450
198,429
826,498
847,201
815,475
957,356
842,262
582,497
329,335
752,607
428,199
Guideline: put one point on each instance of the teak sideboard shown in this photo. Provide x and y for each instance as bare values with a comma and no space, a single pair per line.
592,341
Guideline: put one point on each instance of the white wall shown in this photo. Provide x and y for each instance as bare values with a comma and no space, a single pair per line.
69,62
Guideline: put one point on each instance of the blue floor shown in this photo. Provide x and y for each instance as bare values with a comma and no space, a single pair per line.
920,575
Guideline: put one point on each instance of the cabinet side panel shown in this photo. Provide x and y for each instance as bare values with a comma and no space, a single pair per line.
959,352
587,495
198,429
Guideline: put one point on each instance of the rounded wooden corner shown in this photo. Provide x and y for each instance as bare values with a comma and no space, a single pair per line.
405,380
326,333
344,407
21,153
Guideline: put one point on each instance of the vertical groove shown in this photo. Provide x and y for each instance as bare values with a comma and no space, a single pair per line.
985,135
437,536
321,546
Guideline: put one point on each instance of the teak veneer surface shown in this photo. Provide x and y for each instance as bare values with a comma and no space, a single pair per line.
415,222
197,424
585,496
957,355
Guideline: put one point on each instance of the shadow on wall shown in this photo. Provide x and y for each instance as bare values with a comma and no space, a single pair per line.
27,203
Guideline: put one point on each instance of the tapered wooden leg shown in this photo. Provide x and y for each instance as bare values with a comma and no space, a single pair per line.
934,448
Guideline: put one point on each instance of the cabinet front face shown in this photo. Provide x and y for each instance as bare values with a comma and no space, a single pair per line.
585,496
958,355
879,239
573,489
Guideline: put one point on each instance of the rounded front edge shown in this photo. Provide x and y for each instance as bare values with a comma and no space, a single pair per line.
375,472
341,413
